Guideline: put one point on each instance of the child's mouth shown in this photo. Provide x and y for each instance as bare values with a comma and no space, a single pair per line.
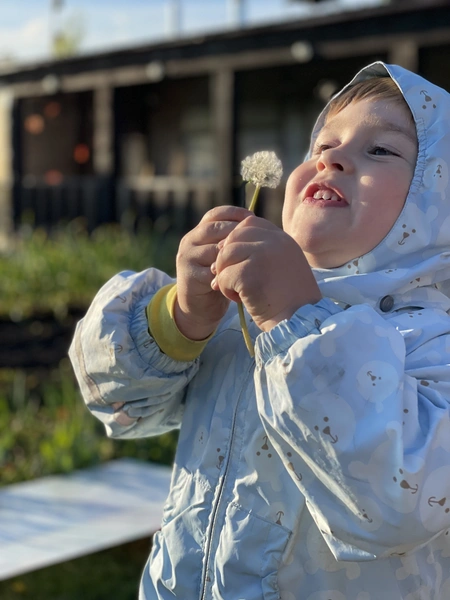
323,196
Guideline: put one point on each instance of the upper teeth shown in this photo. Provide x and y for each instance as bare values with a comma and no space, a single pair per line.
326,195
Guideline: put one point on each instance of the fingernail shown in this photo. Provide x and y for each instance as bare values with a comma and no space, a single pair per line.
213,268
213,283
220,244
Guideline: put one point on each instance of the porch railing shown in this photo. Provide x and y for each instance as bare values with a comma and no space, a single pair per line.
170,202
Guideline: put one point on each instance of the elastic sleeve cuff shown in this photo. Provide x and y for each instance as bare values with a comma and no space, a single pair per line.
308,319
164,330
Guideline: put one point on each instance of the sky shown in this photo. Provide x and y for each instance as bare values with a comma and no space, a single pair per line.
26,25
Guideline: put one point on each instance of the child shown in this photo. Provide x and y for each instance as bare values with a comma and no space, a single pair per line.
321,469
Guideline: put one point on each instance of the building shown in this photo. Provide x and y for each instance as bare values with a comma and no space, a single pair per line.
158,131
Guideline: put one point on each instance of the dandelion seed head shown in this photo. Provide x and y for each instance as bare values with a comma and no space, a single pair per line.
263,169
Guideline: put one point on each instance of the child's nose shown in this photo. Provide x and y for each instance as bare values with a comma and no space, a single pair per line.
334,159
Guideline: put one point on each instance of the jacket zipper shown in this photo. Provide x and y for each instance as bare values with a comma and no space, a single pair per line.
222,485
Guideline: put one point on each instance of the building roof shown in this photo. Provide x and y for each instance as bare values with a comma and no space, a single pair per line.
394,18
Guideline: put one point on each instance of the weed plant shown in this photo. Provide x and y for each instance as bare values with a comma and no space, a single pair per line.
47,429
51,273
112,574
45,426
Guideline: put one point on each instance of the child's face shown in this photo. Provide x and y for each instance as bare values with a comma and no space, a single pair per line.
343,201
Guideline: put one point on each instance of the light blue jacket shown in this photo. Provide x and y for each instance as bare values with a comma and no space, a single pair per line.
321,469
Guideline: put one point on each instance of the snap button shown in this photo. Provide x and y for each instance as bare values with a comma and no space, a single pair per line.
386,303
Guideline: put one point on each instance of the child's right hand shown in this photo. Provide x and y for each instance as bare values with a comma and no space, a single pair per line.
198,308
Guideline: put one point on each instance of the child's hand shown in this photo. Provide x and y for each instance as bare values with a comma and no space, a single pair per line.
199,308
264,268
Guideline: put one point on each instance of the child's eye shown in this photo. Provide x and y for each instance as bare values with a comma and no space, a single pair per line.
380,151
319,148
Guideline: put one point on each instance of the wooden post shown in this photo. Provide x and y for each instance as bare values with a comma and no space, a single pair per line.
222,96
6,172
102,202
405,53
103,131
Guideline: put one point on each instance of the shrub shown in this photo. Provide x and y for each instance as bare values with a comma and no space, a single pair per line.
47,429
45,425
52,273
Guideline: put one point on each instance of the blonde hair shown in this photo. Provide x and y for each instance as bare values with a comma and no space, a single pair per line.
376,88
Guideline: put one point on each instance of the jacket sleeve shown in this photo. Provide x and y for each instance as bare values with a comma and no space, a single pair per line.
357,407
126,381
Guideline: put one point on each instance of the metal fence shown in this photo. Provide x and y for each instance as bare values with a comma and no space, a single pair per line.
168,202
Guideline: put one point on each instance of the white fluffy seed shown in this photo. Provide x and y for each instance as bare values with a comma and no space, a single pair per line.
263,169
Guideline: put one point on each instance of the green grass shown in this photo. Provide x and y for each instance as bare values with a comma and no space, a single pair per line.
43,273
47,429
108,575
45,425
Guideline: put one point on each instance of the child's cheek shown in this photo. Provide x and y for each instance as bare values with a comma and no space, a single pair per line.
298,180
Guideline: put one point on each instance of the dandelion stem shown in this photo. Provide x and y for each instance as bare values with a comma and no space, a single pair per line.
245,332
247,339
254,199
263,169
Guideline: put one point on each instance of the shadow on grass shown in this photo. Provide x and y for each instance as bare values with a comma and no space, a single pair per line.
108,575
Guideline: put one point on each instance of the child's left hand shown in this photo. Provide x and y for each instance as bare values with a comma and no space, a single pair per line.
264,268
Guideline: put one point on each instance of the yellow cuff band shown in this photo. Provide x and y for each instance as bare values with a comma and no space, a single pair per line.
164,330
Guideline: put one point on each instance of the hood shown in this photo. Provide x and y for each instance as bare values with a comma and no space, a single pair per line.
412,263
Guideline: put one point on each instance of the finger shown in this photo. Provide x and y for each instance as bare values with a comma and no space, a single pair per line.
250,234
210,232
228,282
197,275
235,253
226,213
216,225
251,229
203,275
252,221
202,256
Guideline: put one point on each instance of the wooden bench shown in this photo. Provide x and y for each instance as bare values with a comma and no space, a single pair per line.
58,518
